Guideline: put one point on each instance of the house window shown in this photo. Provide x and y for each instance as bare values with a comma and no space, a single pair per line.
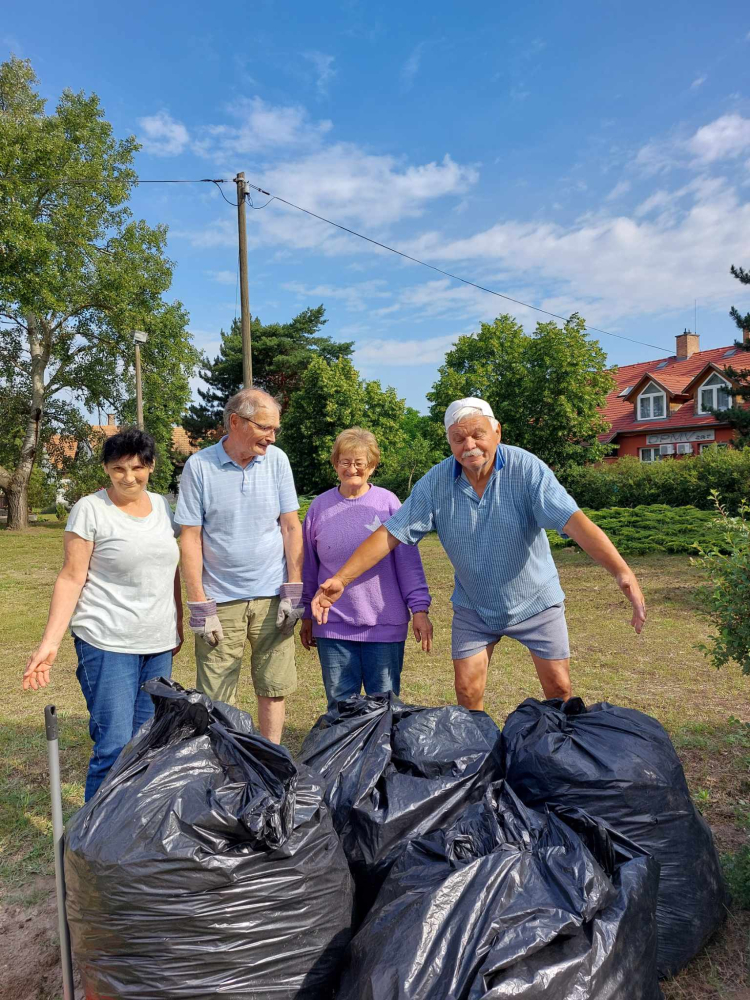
652,403
714,394
650,454
713,444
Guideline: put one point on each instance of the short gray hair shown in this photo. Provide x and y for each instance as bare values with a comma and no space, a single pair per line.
246,403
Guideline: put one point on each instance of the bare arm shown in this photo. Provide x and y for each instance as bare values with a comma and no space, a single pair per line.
367,555
191,546
291,533
180,611
595,543
67,590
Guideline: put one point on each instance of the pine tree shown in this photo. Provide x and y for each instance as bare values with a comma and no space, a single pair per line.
281,355
738,416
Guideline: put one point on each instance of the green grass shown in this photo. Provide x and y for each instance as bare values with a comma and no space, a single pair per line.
659,672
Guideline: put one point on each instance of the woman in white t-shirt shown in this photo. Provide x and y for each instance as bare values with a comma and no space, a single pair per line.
119,590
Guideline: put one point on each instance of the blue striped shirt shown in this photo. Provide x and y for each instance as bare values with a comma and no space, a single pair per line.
500,553
238,509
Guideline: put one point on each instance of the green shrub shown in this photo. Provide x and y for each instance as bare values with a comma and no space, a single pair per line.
654,528
726,593
678,483
737,873
62,512
304,506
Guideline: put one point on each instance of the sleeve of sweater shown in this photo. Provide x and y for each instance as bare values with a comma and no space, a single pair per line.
410,573
311,565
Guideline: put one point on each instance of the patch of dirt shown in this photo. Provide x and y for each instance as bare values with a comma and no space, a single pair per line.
29,944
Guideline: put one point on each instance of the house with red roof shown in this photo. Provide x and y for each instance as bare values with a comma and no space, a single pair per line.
659,409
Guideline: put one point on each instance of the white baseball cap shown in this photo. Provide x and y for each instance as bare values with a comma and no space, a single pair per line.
464,408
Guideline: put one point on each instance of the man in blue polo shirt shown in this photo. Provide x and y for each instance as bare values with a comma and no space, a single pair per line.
489,505
242,558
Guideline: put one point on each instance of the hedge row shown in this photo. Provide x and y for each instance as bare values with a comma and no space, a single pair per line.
655,528
676,482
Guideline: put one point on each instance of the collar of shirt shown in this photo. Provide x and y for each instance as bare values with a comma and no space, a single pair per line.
499,463
224,459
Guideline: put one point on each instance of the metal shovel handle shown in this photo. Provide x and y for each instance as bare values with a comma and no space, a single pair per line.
53,754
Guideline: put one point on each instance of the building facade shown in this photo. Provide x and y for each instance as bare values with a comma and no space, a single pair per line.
660,409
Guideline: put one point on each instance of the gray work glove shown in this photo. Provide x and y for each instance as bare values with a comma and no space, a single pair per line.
205,622
290,607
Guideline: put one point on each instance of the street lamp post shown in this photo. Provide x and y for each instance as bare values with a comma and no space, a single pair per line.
139,337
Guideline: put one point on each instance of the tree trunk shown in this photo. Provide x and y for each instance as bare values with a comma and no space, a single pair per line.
18,489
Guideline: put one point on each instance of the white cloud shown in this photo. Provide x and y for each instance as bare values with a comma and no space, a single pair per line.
162,135
619,265
410,69
262,127
621,188
727,137
324,68
223,277
355,297
698,82
404,353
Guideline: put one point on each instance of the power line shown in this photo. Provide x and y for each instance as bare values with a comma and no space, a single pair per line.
361,236
448,274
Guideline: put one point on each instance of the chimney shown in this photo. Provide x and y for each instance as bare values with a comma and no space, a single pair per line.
111,419
687,344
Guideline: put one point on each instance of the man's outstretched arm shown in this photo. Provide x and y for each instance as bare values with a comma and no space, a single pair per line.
595,543
369,554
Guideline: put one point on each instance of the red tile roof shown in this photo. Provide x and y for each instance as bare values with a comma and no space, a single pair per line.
675,376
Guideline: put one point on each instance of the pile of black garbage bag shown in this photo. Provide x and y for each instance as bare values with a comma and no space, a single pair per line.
206,866
395,772
619,765
508,902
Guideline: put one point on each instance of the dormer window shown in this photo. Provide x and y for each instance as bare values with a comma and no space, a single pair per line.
714,394
652,403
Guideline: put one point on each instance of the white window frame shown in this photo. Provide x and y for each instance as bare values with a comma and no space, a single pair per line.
705,445
714,390
656,394
654,454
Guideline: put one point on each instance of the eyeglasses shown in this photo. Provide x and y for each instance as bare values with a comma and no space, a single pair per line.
346,464
269,429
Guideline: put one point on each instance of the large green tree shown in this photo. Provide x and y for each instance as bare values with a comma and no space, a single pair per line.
77,273
281,355
546,388
738,416
424,444
332,397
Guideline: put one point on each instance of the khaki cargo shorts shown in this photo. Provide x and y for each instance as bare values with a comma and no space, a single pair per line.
272,667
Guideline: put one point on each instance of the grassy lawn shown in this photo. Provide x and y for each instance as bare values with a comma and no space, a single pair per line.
659,672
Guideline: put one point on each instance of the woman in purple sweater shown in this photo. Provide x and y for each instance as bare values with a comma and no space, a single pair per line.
362,643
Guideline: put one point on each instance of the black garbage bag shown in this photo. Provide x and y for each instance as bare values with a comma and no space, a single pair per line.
619,766
507,903
206,866
394,772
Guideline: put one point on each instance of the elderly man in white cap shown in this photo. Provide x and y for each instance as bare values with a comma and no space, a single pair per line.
490,503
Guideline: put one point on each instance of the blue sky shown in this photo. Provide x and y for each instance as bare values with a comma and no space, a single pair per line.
578,156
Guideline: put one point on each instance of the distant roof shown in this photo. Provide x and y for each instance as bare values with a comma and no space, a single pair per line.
675,375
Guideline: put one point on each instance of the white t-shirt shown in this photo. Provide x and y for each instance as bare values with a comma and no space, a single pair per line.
127,602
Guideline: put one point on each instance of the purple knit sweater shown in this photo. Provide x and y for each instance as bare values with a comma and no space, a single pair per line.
375,607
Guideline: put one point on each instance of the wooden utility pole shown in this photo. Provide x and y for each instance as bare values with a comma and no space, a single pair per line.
247,352
138,389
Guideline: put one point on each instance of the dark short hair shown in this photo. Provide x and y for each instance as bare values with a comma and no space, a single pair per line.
129,443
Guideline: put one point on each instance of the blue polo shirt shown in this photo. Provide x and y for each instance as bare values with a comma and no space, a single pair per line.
238,509
500,553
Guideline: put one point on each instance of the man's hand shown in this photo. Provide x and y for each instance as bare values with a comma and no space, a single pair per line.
422,627
328,593
290,607
205,622
628,584
38,666
306,636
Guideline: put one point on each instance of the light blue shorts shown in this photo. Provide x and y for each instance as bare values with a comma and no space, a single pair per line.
544,634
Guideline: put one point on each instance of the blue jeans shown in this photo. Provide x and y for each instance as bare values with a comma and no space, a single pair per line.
111,684
348,665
